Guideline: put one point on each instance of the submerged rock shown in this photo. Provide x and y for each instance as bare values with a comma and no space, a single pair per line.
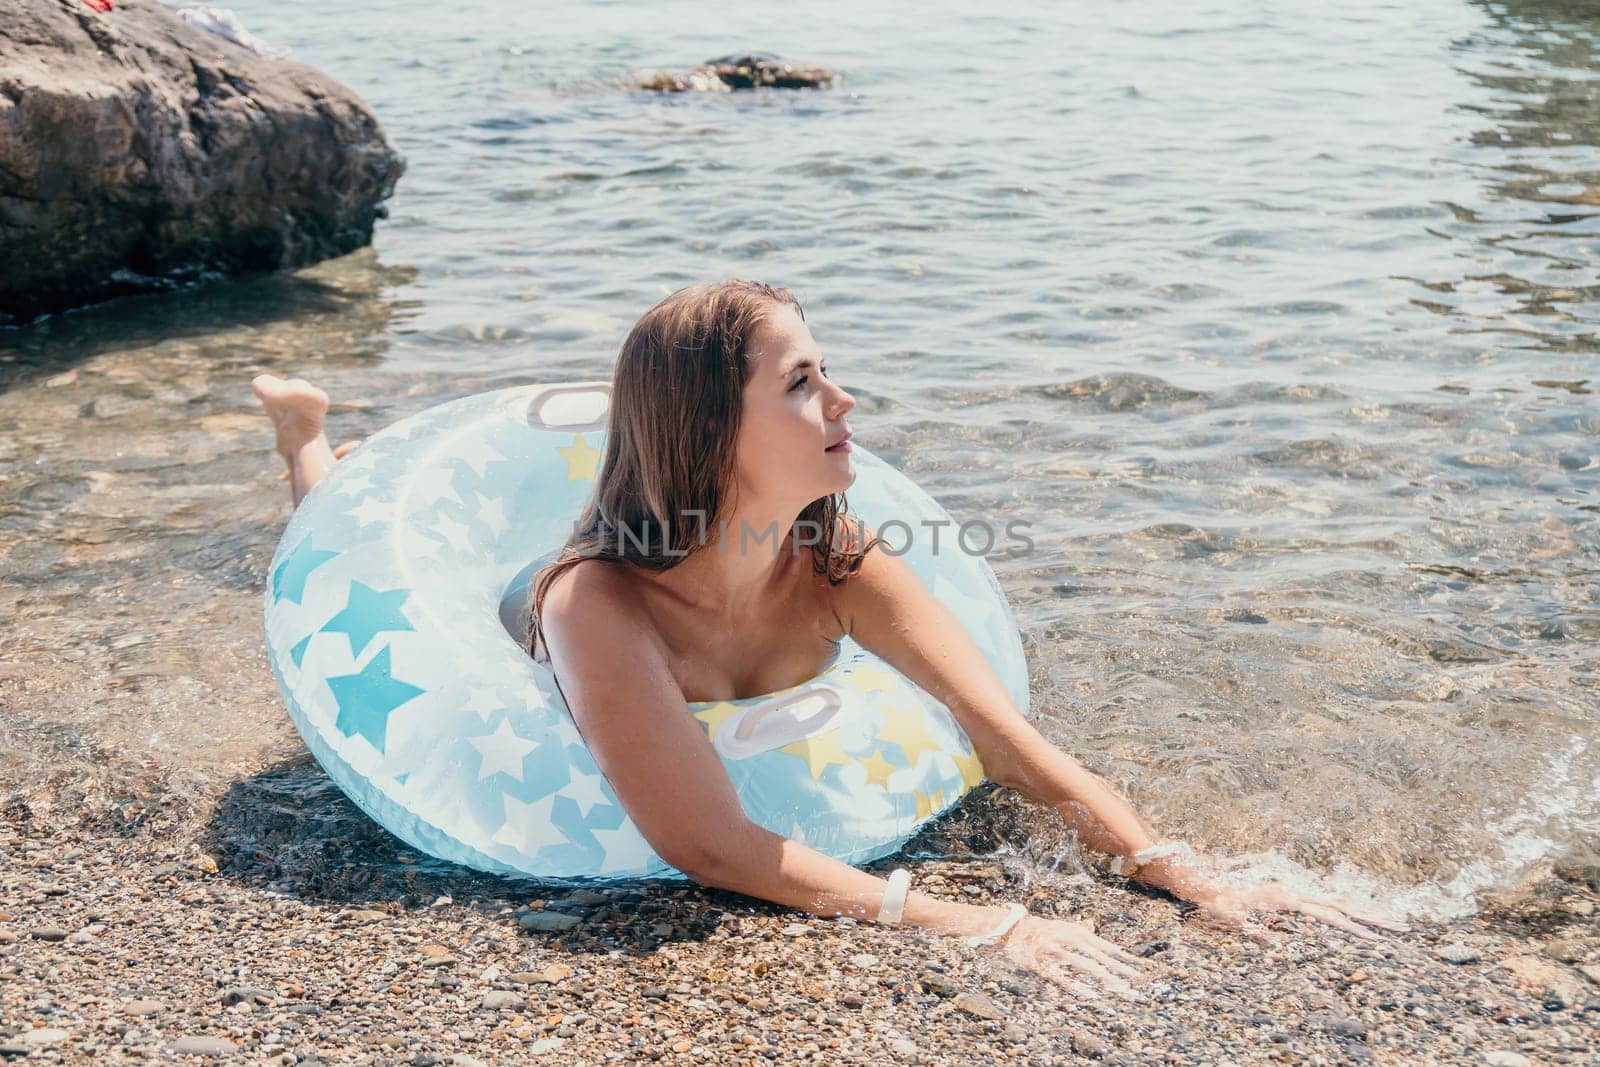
755,71
139,151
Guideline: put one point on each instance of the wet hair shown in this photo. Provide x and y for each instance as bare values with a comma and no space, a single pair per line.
676,395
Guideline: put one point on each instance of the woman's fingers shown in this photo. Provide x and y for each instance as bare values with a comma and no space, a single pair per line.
1062,976
1334,917
1120,953
1373,920
1110,961
345,449
1092,967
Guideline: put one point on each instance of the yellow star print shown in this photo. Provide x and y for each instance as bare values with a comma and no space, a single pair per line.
927,803
971,769
878,769
818,751
869,678
714,716
581,459
903,726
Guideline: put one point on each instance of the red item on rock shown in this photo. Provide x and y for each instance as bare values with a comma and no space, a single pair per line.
99,5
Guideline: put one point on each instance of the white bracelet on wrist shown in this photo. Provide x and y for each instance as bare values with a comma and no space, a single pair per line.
894,896
1014,914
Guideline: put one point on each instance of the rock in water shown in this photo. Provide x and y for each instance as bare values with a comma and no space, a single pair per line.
758,70
138,151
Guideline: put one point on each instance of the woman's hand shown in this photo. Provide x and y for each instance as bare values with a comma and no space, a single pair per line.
1055,949
1229,908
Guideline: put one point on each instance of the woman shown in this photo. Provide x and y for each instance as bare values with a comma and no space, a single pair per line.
718,553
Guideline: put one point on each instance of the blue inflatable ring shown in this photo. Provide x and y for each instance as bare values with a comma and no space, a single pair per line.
403,575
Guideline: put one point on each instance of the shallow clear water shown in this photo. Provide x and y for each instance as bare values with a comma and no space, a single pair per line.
1277,327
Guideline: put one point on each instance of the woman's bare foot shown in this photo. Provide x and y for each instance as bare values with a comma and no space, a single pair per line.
297,410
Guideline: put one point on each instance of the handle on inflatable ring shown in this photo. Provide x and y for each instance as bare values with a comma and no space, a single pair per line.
566,415
778,723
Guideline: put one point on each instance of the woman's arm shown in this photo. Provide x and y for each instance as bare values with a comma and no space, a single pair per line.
669,779
888,610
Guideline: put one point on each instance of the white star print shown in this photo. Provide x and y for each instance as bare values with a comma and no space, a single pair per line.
454,532
369,511
492,513
586,790
502,752
476,454
352,482
528,827
433,486
482,702
534,698
627,852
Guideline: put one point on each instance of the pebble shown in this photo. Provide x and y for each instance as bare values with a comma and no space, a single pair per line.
980,1005
548,922
550,975
1502,1058
1086,1044
503,1000
142,1007
48,933
203,1046
1458,953
793,929
1565,951
44,1035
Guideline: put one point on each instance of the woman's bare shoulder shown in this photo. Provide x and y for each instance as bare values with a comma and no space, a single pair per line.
587,591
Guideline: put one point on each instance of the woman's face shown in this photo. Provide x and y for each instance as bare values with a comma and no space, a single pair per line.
792,413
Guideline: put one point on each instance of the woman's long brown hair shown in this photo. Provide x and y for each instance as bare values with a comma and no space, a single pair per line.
676,395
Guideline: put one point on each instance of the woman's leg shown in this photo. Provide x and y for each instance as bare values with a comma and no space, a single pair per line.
297,409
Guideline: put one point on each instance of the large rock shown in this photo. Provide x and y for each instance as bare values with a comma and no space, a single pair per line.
139,151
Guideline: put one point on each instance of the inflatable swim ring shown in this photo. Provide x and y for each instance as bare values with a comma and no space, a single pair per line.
396,603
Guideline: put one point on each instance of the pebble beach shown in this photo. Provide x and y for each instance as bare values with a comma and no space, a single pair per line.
1277,328
138,948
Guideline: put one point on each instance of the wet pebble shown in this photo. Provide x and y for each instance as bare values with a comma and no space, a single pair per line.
548,922
200,1045
1458,953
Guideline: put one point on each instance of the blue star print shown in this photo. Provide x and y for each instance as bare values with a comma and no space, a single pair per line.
289,580
366,699
368,612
